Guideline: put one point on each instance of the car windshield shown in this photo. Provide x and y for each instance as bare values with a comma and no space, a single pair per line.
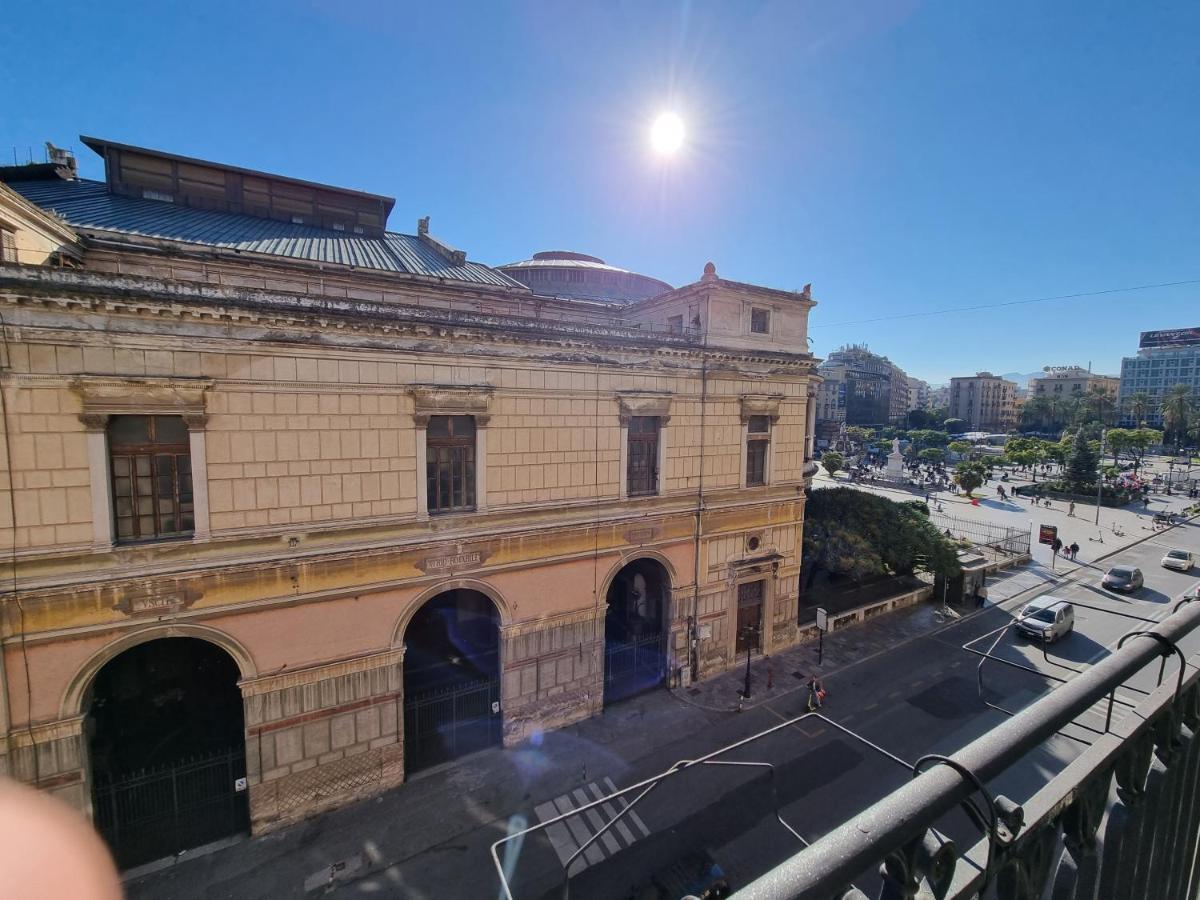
1120,573
1177,554
1042,615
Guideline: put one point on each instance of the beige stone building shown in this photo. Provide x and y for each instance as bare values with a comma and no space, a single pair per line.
984,401
1072,381
294,505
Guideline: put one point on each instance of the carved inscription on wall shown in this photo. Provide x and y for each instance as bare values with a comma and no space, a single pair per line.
458,561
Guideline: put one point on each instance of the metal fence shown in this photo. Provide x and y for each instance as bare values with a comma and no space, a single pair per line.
1002,538
1121,820
155,813
447,722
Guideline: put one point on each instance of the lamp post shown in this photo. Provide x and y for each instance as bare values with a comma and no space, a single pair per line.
748,632
1100,473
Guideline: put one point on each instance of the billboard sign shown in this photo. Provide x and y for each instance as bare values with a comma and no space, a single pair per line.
1047,534
1172,337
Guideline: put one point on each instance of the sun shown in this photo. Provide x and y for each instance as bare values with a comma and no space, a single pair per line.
667,133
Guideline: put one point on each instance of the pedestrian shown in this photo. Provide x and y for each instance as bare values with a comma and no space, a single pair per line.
1071,509
1074,550
981,594
816,693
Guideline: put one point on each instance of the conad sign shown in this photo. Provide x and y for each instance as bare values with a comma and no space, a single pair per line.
1170,337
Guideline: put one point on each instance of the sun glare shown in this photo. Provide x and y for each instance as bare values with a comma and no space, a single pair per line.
666,135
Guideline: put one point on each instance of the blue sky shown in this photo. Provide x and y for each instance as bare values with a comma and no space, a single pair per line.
903,157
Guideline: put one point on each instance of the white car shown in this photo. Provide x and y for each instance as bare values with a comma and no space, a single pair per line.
1178,559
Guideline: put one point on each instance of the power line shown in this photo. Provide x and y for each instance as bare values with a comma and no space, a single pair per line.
959,309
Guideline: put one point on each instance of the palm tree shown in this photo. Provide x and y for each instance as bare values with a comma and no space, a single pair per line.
1036,411
1177,408
1139,404
1060,411
1100,404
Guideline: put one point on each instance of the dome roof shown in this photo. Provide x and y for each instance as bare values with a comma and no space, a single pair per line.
566,273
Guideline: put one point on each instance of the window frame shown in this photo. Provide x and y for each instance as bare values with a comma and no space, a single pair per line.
758,450
647,438
452,445
154,451
763,311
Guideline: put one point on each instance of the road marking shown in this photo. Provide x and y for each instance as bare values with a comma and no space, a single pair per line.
870,706
567,836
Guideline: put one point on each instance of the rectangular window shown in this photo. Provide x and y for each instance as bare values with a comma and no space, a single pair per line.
758,439
450,463
151,465
675,324
760,321
643,455
8,246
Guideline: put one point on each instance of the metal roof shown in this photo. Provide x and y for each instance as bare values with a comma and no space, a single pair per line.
89,205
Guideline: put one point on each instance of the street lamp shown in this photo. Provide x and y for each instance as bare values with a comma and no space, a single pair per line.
748,633
1100,474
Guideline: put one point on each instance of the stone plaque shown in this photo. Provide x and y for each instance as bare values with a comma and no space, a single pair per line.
640,535
153,604
457,561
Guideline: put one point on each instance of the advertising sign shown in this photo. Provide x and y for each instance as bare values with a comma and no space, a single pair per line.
1047,534
822,618
1170,337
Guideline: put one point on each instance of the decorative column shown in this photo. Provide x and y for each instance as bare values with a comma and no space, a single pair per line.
96,425
195,422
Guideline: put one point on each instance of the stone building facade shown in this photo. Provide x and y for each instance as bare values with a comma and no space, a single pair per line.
313,456
984,401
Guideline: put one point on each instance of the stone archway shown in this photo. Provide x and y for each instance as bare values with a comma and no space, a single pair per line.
166,741
636,628
451,678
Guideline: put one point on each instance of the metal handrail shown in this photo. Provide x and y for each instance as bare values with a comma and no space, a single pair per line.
843,854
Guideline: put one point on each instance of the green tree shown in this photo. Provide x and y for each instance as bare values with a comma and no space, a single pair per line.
932,455
859,435
927,437
1139,405
955,426
962,448
1036,413
1101,405
1141,440
832,461
854,534
969,475
1177,409
1081,464
1120,440
919,418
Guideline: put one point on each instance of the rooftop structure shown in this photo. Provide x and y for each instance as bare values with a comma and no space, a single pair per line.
565,273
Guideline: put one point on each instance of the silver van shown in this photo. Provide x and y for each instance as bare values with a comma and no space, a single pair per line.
1046,619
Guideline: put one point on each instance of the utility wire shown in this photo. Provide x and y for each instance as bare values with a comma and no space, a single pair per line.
959,309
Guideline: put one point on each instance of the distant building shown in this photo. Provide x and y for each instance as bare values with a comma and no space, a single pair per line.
939,396
1164,359
918,393
1071,381
858,387
986,402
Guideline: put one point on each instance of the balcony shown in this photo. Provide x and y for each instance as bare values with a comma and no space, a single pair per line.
1120,820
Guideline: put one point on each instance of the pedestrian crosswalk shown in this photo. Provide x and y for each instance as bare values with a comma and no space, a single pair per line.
568,835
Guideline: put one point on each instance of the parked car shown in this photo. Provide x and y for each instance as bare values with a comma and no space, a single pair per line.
1192,593
1178,559
1123,578
1047,619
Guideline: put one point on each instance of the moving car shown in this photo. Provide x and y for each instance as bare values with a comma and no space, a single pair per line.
1123,578
1178,559
1046,618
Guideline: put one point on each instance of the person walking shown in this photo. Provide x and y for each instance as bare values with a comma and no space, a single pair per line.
1074,550
816,694
1071,509
981,594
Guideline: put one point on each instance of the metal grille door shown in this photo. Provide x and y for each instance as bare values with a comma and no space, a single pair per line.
160,812
633,666
445,723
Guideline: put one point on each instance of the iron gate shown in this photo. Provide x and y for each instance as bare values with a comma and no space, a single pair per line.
160,812
447,722
633,666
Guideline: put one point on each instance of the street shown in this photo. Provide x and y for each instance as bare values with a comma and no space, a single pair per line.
431,838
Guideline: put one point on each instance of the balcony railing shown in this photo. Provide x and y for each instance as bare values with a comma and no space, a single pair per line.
1120,820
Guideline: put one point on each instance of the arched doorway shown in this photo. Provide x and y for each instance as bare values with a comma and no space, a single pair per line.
167,749
635,630
451,678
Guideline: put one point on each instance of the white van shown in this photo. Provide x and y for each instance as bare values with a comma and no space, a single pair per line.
1046,618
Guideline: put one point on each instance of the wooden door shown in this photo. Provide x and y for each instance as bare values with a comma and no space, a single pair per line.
749,616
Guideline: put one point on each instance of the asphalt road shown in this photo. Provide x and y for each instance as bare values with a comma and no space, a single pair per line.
920,698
